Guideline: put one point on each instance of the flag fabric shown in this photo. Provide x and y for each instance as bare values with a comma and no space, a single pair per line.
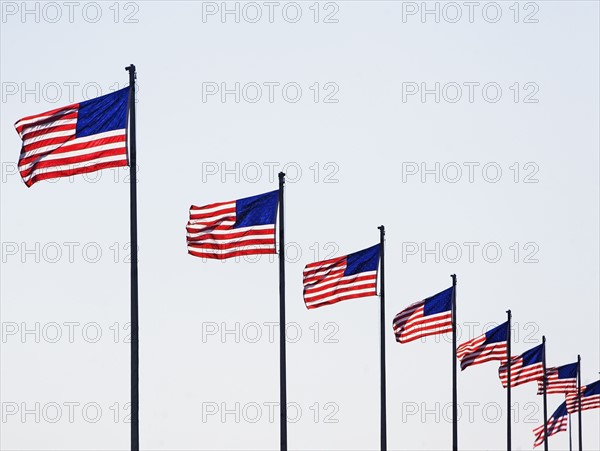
75,139
338,279
590,398
555,424
431,316
561,379
527,367
231,229
487,347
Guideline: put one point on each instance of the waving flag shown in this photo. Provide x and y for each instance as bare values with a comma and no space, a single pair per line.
527,367
556,423
230,229
489,346
338,279
590,398
561,379
75,139
428,317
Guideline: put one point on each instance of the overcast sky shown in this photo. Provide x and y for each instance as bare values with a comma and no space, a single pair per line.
469,131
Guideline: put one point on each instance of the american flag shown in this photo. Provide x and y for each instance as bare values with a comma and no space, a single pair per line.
489,346
75,139
556,423
527,367
338,279
428,317
561,379
231,229
590,398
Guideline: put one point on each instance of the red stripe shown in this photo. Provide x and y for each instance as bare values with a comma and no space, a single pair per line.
72,160
78,171
324,263
232,254
343,289
226,236
341,298
234,245
45,131
68,147
338,281
219,213
425,332
55,115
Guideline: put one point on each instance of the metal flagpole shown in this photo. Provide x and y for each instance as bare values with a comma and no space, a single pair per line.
282,366
544,382
382,337
579,401
454,390
570,438
135,427
508,365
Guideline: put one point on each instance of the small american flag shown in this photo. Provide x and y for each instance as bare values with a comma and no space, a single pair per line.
489,346
231,229
428,317
75,139
590,398
555,424
338,279
561,379
527,367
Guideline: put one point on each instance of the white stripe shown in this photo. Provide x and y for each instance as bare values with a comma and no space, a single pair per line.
84,139
313,294
204,210
416,328
207,222
230,231
73,153
323,268
347,293
38,127
83,164
42,118
334,277
45,136
328,272
231,240
230,251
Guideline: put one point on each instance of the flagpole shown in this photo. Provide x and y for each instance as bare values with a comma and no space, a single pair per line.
383,432
570,438
454,389
544,382
282,363
135,427
508,365
579,401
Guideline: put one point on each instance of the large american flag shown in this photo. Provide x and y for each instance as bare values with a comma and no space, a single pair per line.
428,317
75,139
590,398
231,229
489,346
338,279
560,379
556,423
527,367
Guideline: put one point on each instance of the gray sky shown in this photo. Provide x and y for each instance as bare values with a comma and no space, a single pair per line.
357,101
